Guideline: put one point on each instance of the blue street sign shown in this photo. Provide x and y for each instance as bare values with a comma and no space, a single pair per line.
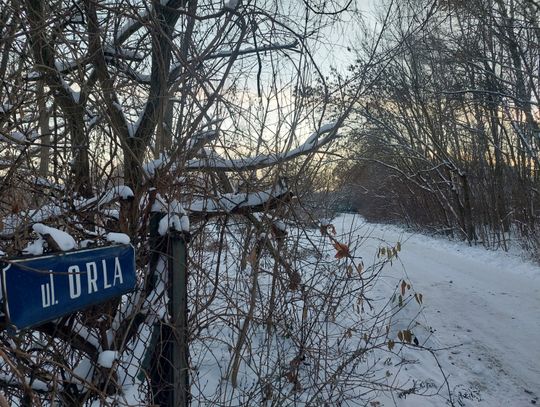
40,289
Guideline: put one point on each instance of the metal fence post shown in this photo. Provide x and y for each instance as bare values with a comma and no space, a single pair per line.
178,309
159,355
170,360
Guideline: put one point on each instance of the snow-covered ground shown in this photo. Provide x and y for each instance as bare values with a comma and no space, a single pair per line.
483,308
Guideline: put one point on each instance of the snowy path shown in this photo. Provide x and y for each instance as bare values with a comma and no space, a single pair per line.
486,302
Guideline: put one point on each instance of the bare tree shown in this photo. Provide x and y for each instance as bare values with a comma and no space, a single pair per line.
451,124
135,116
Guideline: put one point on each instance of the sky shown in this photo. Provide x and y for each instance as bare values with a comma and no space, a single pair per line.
340,38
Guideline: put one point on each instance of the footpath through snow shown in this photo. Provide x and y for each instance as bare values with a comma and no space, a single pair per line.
483,307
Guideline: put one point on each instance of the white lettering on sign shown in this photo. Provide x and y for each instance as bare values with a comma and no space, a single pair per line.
105,277
47,293
91,274
117,271
74,282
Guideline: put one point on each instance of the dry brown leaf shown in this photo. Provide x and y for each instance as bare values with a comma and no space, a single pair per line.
407,336
360,268
342,250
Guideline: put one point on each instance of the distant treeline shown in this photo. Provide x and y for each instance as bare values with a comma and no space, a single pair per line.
449,137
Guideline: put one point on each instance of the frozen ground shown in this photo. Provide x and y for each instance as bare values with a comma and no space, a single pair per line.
483,308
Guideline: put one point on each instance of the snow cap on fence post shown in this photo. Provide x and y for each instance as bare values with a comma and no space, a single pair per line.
175,218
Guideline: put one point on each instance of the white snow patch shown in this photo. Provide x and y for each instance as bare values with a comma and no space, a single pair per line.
174,222
324,129
120,238
280,225
121,191
75,94
481,308
152,166
231,202
325,222
35,248
86,243
111,213
33,75
46,183
64,240
15,136
66,65
39,385
132,396
107,358
83,372
15,380
176,218
184,223
161,205
201,138
134,126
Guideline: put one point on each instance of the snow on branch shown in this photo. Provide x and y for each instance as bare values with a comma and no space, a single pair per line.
324,135
194,144
130,27
176,68
111,53
118,238
122,53
175,216
151,167
118,192
62,239
69,65
241,202
15,380
179,223
56,239
15,137
13,222
198,141
45,183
